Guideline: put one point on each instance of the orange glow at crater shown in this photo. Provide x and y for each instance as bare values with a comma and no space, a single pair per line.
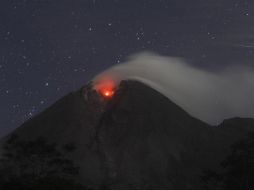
105,87
108,93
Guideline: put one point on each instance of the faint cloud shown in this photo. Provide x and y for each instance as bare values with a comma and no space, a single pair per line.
209,96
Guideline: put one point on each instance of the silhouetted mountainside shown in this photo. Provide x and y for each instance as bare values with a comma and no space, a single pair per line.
138,139
238,123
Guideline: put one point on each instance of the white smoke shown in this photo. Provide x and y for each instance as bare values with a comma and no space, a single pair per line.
209,96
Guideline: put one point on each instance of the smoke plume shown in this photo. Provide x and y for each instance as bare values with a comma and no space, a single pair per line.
209,96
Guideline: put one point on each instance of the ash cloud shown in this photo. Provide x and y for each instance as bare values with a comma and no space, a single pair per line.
209,96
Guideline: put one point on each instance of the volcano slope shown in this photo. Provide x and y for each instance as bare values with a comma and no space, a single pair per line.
138,139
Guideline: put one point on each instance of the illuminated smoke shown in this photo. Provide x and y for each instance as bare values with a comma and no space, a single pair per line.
209,96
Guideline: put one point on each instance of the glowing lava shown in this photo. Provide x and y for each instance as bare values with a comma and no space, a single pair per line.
105,87
108,93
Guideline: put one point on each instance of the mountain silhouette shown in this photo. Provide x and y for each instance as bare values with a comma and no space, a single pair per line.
138,139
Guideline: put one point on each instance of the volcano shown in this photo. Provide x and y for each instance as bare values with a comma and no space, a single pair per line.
134,138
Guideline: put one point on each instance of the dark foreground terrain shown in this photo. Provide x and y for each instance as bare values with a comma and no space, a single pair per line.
138,139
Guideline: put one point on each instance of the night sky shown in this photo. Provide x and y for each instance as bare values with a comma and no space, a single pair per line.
51,47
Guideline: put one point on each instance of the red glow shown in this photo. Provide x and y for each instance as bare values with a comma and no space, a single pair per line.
108,93
105,87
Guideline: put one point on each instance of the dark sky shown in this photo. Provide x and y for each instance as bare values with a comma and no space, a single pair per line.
51,47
